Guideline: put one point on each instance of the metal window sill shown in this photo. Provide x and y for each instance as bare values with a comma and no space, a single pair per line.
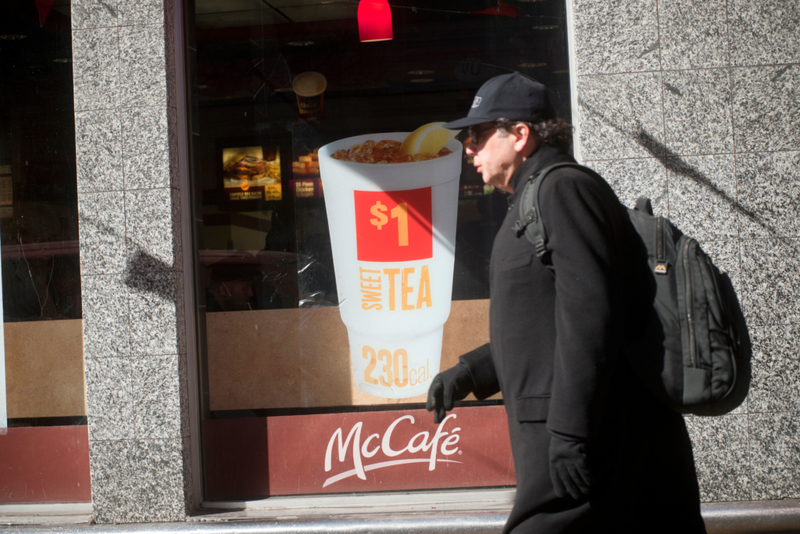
468,512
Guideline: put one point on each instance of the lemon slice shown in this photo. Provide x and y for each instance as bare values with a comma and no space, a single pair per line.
427,139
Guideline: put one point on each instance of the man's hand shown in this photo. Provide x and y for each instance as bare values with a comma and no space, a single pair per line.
569,468
447,387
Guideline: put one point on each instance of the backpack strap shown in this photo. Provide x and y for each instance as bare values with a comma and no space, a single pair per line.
530,223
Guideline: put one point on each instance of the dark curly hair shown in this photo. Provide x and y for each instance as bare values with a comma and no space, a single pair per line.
555,132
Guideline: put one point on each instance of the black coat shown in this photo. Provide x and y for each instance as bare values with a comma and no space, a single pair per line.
555,355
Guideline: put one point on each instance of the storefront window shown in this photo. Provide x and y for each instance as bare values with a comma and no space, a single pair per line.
43,437
304,392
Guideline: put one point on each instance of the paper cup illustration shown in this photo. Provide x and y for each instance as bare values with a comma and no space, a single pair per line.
310,90
393,230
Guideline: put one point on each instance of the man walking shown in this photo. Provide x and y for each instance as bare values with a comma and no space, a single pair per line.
592,448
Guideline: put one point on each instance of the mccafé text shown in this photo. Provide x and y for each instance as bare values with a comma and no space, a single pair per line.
441,443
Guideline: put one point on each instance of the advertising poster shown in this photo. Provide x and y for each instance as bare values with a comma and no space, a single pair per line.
392,229
251,173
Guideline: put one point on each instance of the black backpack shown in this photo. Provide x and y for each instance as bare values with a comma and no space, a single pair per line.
701,360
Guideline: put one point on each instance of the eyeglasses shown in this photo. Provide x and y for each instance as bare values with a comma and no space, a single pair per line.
475,135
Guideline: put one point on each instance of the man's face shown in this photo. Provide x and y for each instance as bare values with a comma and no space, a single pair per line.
493,156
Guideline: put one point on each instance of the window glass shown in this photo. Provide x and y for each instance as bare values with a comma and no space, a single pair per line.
44,449
324,284
38,207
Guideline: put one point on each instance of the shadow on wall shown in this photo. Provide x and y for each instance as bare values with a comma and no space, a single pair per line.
143,262
673,162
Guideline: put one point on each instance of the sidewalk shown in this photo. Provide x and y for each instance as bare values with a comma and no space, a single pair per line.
752,517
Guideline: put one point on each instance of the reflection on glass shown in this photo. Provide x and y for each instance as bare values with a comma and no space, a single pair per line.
41,299
269,293
38,194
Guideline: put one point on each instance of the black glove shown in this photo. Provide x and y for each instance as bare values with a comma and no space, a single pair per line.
569,469
447,387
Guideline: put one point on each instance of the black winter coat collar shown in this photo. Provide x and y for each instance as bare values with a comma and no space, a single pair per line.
545,156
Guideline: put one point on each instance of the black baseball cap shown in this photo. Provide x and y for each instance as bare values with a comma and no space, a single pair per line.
508,96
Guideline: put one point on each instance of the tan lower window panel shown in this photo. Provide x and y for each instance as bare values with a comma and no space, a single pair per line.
44,369
299,358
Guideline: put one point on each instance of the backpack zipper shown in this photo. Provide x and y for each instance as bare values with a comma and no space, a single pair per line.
689,302
661,266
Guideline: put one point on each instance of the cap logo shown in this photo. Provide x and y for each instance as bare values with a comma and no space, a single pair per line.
476,102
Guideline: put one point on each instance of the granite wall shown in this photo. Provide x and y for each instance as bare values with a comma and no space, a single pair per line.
126,123
696,104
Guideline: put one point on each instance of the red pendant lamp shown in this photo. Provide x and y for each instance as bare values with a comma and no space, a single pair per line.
374,21
44,7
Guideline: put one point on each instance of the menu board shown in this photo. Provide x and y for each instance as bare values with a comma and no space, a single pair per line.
251,173
6,192
306,182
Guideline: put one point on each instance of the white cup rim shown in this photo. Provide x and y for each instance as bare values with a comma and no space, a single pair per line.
327,151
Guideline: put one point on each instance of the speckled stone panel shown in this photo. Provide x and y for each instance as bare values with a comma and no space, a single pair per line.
616,36
98,147
137,481
697,112
156,304
160,480
95,68
775,455
146,12
621,116
693,34
101,219
87,14
721,457
775,384
633,178
702,196
146,142
766,32
152,243
109,398
771,274
769,192
156,394
114,480
106,321
766,116
142,66
132,284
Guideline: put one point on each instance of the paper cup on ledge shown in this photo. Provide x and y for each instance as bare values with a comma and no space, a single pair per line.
393,230
310,90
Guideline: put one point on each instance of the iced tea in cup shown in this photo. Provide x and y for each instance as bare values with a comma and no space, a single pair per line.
393,229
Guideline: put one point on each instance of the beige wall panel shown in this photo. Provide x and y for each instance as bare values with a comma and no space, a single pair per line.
300,357
44,369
